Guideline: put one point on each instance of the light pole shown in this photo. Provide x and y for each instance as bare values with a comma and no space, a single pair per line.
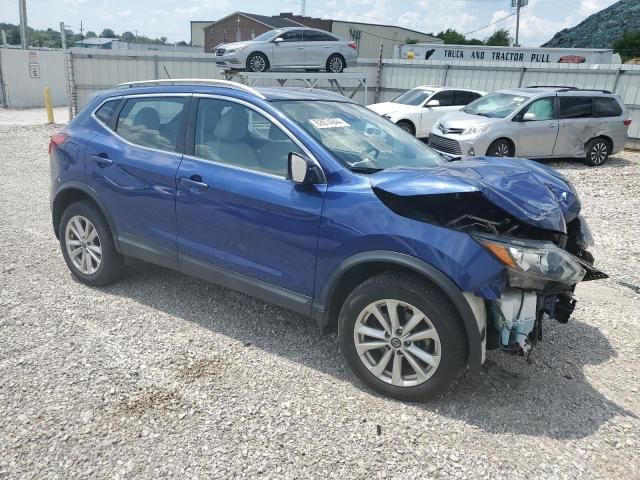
24,40
518,4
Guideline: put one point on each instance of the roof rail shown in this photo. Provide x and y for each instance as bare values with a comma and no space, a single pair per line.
570,89
191,81
563,87
588,90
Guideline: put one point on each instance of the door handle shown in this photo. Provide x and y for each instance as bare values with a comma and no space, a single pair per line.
195,181
102,160
300,48
552,125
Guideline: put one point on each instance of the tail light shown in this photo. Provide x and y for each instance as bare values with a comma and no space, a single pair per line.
353,45
57,140
627,122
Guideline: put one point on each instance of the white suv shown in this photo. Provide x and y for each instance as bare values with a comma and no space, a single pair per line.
536,122
418,109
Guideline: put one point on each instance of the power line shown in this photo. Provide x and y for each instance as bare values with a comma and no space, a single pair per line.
490,25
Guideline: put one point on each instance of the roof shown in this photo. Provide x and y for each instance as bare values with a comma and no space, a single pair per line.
97,41
271,22
388,26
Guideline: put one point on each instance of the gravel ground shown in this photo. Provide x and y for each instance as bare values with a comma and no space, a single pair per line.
162,375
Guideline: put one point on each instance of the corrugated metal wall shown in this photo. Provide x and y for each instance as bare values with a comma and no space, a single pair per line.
18,89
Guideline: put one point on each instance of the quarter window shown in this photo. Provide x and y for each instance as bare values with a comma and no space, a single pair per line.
606,107
152,122
233,134
575,107
105,112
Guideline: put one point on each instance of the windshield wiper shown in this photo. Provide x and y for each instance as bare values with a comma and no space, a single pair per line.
365,169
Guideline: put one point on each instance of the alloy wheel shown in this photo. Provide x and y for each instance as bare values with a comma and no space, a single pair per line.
335,65
397,343
83,245
502,150
599,153
257,63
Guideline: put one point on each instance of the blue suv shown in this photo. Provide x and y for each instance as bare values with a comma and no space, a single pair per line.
312,202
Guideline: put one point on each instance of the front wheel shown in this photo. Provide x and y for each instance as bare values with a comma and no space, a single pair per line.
500,148
597,151
406,126
257,62
335,63
402,337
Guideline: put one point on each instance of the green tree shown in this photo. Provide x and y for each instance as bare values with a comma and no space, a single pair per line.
128,37
628,45
452,37
90,34
500,38
108,33
411,41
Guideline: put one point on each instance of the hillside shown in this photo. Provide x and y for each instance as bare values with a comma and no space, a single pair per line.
601,29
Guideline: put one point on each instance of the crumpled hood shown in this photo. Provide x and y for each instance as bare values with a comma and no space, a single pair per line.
529,191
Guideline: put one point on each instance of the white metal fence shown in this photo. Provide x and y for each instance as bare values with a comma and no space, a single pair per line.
94,70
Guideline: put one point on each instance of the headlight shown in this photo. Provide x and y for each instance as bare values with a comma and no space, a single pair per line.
477,129
532,264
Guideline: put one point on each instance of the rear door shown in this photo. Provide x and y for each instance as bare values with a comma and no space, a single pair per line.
318,46
290,51
132,164
537,132
577,125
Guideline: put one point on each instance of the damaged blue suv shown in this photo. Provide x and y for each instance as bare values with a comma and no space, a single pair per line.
314,203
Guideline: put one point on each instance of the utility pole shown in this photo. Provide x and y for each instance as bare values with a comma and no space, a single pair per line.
4,39
81,31
24,39
303,7
518,4
63,36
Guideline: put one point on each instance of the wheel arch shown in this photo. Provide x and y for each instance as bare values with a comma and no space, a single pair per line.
354,270
410,122
606,138
77,193
506,139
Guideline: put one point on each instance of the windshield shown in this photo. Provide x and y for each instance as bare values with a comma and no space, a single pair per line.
362,140
495,105
267,35
417,96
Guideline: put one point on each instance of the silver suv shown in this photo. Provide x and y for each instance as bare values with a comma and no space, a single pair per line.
536,122
300,48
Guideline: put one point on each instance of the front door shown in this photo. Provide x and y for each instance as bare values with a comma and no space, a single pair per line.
290,51
132,163
537,129
236,209
431,114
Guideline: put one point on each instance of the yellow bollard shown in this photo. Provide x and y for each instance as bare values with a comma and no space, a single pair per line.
47,104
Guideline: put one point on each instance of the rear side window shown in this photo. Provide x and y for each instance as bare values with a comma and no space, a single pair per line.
443,97
575,107
152,122
463,98
315,36
105,112
606,107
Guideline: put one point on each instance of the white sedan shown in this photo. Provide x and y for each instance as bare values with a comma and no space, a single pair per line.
418,109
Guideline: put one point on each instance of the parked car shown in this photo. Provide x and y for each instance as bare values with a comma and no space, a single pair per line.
418,109
289,48
314,203
537,122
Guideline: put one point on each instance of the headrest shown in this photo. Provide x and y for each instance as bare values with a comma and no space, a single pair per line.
275,133
148,117
233,125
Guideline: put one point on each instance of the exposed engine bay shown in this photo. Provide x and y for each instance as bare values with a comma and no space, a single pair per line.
529,220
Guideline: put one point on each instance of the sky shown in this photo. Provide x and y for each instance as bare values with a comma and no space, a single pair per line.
540,20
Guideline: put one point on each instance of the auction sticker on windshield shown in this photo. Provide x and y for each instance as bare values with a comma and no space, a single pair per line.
328,123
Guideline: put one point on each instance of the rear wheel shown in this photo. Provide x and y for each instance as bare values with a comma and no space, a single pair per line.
87,245
257,62
500,148
598,151
335,63
406,126
402,337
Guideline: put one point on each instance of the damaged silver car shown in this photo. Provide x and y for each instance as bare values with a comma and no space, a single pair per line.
536,122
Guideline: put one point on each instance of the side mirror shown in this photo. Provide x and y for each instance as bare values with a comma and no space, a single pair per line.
303,171
433,103
529,117
278,40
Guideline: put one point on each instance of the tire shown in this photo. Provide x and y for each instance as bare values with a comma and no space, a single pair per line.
73,236
407,127
335,63
447,349
257,62
598,151
500,148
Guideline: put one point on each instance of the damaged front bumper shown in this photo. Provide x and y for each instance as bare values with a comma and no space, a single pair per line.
541,279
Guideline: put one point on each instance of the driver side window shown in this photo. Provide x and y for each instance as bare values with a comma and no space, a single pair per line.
543,109
292,36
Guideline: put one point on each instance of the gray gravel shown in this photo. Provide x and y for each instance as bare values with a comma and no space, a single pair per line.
163,375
